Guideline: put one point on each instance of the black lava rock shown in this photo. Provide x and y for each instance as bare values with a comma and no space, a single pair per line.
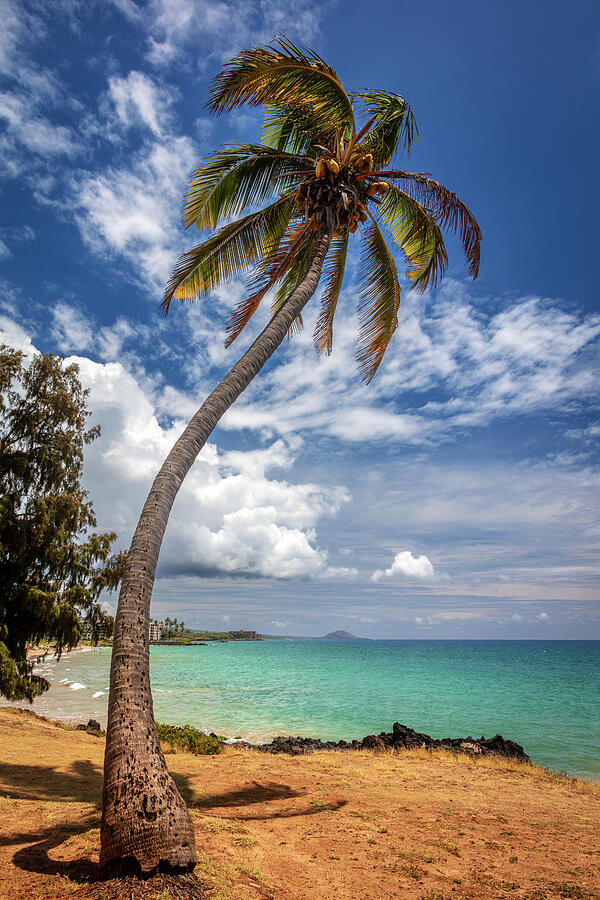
400,738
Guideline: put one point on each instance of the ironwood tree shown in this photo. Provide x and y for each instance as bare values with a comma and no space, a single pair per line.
53,568
321,177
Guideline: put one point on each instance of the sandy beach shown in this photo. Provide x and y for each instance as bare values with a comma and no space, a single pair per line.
428,826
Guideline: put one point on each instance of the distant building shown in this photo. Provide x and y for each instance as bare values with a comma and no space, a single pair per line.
156,630
87,633
244,635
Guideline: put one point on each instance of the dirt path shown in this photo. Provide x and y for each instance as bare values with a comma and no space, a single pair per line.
330,825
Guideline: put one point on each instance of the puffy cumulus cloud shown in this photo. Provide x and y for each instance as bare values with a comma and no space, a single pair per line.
230,517
14,335
132,211
250,541
406,566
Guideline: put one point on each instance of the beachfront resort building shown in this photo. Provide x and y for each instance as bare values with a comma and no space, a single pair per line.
156,630
244,635
87,632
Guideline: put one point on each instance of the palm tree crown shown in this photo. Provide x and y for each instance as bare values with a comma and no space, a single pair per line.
316,170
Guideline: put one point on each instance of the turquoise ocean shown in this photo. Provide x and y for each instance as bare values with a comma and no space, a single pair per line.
543,694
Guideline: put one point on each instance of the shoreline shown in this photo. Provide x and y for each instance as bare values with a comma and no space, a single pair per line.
261,692
400,739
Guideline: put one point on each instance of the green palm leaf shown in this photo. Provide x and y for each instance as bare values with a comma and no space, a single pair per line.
418,235
333,270
395,124
230,251
448,211
282,75
379,303
239,176
295,129
273,269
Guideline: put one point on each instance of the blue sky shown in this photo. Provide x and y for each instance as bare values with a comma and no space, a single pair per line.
457,495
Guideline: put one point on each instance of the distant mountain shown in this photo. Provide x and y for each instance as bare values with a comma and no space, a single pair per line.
340,636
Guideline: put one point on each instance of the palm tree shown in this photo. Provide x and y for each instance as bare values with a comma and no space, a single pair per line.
316,179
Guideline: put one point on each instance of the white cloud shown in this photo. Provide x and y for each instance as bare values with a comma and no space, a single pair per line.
226,619
231,516
34,131
15,336
133,212
220,28
405,565
139,100
529,358
71,330
543,617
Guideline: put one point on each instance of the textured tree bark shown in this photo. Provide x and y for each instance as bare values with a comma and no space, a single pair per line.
145,822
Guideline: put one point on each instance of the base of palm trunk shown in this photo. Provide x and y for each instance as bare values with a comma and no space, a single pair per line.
146,828
184,886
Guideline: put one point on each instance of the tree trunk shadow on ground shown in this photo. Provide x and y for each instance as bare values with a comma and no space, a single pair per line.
86,778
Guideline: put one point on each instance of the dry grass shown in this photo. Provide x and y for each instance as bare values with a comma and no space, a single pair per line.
429,826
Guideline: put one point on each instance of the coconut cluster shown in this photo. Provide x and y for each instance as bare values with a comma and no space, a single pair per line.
334,197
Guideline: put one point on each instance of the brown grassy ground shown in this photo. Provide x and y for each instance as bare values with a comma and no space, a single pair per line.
330,825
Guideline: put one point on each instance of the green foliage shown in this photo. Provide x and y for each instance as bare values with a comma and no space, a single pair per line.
52,569
172,630
394,124
380,300
189,738
310,122
283,75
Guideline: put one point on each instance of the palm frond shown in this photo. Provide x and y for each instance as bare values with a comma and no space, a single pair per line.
379,303
448,211
395,126
277,263
236,177
228,252
333,270
418,235
282,75
295,129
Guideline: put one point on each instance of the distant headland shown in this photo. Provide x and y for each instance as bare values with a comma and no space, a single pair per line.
341,636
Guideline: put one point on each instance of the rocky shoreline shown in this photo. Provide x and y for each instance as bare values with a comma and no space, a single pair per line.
400,738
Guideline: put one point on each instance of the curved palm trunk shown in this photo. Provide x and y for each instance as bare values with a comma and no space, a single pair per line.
145,823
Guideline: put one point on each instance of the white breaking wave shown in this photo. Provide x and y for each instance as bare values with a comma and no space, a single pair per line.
76,686
98,694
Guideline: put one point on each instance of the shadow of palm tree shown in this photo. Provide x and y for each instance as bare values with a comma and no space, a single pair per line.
251,794
26,782
35,857
84,783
